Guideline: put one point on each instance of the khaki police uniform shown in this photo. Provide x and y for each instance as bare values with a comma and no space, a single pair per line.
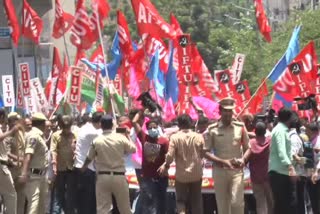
36,186
7,190
16,146
228,143
108,151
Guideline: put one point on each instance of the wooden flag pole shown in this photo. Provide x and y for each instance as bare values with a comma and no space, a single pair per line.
104,62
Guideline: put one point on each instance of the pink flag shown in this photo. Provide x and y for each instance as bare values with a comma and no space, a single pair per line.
133,88
209,107
169,111
193,114
137,157
277,104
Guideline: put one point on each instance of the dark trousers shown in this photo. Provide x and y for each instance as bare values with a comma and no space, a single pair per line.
65,186
55,207
139,207
188,196
314,194
300,191
284,194
86,192
153,195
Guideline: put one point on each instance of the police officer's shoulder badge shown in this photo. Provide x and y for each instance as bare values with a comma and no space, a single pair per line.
33,141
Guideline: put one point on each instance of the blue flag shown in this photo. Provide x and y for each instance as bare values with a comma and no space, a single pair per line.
172,86
114,65
291,52
284,101
156,75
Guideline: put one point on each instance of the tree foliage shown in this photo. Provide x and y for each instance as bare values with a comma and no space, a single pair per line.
222,28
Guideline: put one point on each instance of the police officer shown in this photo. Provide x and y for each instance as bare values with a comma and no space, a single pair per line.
7,190
16,147
108,150
35,166
230,142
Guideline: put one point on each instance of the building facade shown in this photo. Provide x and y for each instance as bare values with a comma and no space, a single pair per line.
38,56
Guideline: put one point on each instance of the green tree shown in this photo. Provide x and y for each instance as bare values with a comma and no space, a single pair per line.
222,28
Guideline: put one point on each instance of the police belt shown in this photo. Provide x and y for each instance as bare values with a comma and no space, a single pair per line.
110,173
38,171
2,162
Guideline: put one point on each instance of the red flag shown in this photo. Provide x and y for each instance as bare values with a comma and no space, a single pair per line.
185,75
205,78
242,95
256,105
62,23
53,80
149,20
225,85
62,84
126,48
139,64
81,32
302,83
97,55
262,20
80,54
65,70
56,65
100,11
13,22
32,23
175,24
189,76
124,35
103,8
151,44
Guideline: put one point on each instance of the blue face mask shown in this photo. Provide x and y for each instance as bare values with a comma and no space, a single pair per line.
154,133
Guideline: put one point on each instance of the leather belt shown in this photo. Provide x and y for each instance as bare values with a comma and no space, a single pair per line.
5,163
38,171
110,173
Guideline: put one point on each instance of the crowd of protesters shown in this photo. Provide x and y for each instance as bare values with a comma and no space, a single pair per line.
62,165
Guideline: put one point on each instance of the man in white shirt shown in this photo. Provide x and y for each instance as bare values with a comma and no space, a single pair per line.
86,201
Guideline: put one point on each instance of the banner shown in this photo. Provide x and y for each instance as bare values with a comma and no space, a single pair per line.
74,97
25,78
8,91
20,100
185,75
237,67
38,95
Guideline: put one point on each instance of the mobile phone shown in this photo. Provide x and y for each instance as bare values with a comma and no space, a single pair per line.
121,130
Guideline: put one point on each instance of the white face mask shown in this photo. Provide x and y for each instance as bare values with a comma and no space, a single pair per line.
154,133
